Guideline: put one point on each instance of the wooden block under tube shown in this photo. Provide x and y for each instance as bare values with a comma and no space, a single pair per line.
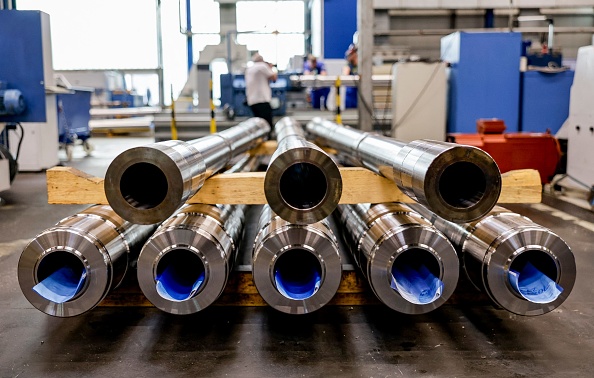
67,185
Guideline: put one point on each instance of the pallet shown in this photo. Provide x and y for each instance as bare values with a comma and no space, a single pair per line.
66,185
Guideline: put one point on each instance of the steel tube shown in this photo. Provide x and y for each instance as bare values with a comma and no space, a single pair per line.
296,268
459,183
69,268
147,184
184,267
302,183
411,266
524,267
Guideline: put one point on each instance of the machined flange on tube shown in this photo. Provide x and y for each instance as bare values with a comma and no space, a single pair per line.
69,268
411,266
296,268
147,184
502,247
302,183
459,183
184,267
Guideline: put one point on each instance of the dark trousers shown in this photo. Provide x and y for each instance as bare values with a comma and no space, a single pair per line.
316,98
263,110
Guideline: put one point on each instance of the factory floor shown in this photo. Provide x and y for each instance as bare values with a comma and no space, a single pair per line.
472,340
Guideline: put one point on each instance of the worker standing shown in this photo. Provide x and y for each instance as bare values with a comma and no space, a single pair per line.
315,67
257,87
351,69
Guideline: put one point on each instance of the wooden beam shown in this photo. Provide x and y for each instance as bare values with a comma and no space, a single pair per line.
265,148
268,147
521,186
66,185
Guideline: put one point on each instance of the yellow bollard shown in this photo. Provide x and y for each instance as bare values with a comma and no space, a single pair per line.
213,122
173,124
338,117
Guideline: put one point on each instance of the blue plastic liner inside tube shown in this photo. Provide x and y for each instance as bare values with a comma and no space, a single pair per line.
418,286
62,285
171,287
533,285
294,289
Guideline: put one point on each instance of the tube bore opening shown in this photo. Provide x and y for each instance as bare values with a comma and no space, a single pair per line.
415,276
143,185
180,274
462,184
61,276
303,185
533,275
297,274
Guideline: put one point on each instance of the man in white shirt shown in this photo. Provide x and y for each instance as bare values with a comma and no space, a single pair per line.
257,87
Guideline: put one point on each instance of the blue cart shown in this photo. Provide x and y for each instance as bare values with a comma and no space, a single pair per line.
73,120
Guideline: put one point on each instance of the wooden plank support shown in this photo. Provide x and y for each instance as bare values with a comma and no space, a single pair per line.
67,185
268,147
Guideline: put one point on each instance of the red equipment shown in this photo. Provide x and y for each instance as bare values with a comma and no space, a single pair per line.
540,151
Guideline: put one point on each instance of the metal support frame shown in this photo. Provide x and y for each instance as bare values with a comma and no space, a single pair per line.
190,48
365,14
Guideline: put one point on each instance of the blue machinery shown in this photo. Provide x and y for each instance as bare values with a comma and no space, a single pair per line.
485,82
27,68
12,103
22,40
233,95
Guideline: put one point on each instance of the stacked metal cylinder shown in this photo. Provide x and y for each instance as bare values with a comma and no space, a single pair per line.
411,255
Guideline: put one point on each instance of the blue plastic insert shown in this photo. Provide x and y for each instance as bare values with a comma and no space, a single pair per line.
297,274
62,277
180,274
533,285
416,284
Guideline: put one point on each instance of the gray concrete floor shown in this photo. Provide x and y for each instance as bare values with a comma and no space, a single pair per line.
464,341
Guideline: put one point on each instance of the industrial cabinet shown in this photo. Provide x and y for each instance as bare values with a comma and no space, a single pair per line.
484,78
545,100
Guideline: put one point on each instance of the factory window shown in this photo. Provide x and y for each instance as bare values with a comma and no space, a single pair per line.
205,23
120,35
110,34
274,28
205,29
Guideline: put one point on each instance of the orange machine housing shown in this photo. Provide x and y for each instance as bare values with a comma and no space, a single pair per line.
540,151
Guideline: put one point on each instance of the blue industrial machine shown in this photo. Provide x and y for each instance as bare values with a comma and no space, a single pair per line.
234,101
11,103
545,100
27,90
484,78
126,99
73,119
545,88
486,82
21,42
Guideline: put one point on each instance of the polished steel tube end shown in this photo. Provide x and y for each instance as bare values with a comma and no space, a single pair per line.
184,267
414,278
303,184
65,272
146,185
530,271
296,268
412,267
458,183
